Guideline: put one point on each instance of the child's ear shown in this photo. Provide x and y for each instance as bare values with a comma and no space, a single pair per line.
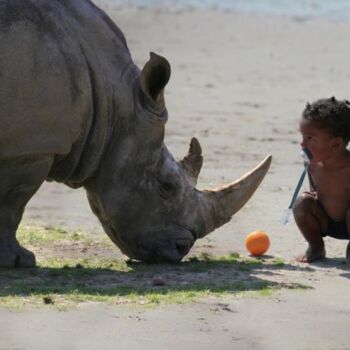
337,144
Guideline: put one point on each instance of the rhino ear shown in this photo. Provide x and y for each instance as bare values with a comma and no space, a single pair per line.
154,76
192,163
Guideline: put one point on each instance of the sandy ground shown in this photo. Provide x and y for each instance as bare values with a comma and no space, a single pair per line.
239,83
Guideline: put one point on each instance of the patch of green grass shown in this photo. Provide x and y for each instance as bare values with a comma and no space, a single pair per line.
62,282
63,296
30,235
279,262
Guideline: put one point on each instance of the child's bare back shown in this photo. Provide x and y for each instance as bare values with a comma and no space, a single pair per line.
325,210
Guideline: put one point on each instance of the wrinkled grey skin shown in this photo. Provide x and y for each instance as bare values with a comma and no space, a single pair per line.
75,109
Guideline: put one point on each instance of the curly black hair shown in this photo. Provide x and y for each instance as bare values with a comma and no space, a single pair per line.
331,115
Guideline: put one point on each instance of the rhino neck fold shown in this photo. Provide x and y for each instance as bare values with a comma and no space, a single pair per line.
105,117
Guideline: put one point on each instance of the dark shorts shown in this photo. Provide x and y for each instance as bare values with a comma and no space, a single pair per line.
336,229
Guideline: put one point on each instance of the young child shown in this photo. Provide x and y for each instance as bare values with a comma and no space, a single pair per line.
325,209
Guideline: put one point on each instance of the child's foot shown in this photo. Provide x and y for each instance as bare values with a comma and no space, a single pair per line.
313,254
347,254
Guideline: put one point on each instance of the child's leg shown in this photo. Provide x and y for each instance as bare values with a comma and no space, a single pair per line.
312,220
347,219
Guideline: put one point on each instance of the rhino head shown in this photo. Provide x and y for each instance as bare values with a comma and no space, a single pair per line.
147,201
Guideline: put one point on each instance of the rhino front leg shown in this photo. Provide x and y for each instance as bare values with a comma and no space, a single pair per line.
20,179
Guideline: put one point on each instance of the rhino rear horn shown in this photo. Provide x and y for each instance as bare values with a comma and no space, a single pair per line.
154,76
192,162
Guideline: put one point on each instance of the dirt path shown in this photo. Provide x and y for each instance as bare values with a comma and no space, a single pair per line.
315,319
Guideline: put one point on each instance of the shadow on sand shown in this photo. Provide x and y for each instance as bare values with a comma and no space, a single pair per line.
336,263
227,275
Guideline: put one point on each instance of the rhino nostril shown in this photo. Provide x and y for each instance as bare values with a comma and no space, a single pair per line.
17,262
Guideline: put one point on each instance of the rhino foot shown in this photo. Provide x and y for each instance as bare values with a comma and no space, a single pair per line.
14,255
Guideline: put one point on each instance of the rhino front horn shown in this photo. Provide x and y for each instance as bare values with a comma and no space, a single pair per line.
219,205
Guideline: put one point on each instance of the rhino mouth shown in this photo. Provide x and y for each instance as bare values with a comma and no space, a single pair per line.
173,252
164,246
157,246
153,246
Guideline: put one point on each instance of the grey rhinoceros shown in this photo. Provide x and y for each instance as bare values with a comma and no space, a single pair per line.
75,109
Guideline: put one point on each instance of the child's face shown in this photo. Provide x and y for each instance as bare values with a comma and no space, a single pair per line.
319,142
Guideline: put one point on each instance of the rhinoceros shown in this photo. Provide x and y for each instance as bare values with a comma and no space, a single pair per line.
75,109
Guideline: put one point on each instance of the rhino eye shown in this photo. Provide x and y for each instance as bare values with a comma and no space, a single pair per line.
166,188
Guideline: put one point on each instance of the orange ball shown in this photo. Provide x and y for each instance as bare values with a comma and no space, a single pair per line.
257,243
